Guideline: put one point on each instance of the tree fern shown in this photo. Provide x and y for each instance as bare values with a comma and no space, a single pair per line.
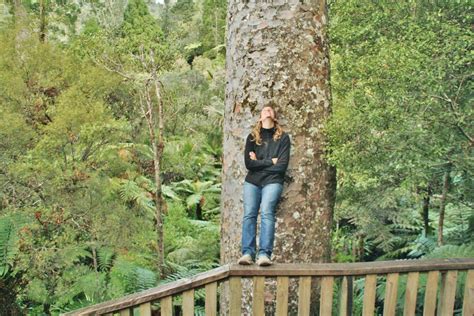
9,228
105,258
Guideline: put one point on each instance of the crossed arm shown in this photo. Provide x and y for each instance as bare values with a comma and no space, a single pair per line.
267,164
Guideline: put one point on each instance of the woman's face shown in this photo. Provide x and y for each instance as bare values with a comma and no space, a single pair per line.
267,112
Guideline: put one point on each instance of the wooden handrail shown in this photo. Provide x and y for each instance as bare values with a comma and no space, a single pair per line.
356,268
155,293
277,270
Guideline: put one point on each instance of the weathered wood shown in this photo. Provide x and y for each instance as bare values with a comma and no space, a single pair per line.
369,295
411,292
235,285
429,305
304,296
282,296
258,299
325,307
211,299
166,305
390,301
356,268
125,312
468,303
188,303
145,309
153,294
345,298
323,269
448,293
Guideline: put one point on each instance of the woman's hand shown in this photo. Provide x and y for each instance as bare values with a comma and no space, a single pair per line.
253,156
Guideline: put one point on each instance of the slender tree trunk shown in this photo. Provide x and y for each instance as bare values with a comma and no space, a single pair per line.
278,52
42,28
442,206
157,147
426,210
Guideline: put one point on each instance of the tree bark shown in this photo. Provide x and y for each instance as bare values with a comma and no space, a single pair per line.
442,206
426,210
278,53
42,27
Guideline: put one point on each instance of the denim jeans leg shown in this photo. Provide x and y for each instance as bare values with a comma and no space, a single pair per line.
252,197
270,197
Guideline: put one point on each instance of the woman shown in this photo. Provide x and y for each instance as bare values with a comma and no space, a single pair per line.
267,153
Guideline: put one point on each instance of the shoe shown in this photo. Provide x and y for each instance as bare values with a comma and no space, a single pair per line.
263,261
246,260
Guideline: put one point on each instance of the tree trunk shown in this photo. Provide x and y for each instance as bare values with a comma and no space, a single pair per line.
442,206
156,141
426,210
42,27
278,52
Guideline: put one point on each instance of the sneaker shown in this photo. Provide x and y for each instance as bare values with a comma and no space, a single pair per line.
263,261
246,260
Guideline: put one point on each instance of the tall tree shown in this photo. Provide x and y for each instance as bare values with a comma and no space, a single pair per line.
277,53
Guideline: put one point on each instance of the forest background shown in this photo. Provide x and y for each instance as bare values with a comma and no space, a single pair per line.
77,177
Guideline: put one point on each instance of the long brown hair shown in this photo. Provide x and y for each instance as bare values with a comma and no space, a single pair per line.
257,138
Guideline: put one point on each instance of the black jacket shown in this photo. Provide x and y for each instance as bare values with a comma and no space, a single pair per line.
262,171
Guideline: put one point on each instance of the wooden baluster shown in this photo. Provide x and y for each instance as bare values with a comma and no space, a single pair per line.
125,312
325,308
447,293
390,301
211,299
145,309
368,308
282,296
166,304
258,299
345,298
235,296
429,305
468,303
410,294
343,293
304,296
188,303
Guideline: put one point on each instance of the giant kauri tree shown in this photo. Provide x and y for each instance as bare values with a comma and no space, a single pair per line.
278,54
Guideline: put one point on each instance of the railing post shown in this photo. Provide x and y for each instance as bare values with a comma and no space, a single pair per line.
369,295
282,296
430,293
258,299
188,303
468,303
235,285
211,299
145,309
345,299
447,293
304,296
391,287
325,307
166,305
411,292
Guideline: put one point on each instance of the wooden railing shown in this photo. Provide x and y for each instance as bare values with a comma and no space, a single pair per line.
439,299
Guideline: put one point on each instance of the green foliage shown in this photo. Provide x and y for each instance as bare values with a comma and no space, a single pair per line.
140,29
10,226
127,277
401,81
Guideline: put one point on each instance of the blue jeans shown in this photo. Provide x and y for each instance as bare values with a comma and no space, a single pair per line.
266,199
